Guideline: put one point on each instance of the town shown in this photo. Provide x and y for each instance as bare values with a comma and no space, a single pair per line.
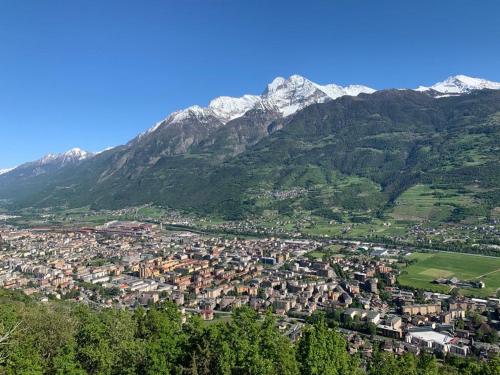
126,264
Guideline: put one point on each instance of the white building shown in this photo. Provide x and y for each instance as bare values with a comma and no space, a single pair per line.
430,339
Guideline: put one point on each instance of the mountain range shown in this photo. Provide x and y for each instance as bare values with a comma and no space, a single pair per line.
348,148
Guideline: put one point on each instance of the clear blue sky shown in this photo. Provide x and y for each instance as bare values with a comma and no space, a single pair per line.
95,73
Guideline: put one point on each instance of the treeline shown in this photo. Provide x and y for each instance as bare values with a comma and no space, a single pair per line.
68,338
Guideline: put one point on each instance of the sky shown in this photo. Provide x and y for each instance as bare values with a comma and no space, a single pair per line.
95,73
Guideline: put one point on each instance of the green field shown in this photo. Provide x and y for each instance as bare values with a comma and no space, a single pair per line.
430,266
315,255
422,203
322,254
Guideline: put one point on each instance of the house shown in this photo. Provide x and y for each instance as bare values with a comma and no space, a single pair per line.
352,313
373,317
426,309
147,298
207,314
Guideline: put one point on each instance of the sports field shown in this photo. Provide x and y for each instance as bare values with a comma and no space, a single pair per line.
430,266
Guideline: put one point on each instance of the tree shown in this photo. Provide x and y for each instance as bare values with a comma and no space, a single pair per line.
66,363
5,336
492,367
427,365
255,347
477,319
61,338
371,328
455,292
384,363
323,352
93,351
198,355
160,328
277,348
126,351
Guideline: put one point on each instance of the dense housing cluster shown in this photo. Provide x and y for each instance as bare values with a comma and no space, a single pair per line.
127,265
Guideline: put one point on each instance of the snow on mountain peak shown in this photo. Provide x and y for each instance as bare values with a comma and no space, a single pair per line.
6,170
224,108
229,108
461,84
47,159
50,161
104,150
275,84
281,85
334,91
287,96
193,111
73,155
292,94
283,95
76,153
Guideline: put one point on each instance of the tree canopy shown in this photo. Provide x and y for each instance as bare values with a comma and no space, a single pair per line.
69,338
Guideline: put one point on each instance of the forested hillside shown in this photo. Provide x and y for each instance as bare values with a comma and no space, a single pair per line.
67,338
353,154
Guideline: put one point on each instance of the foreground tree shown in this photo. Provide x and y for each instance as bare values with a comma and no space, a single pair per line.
161,330
322,351
65,338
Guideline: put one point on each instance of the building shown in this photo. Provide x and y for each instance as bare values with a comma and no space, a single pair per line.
427,309
427,338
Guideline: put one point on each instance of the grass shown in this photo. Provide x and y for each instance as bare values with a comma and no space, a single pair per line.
437,273
422,203
430,266
324,253
314,255
218,318
378,227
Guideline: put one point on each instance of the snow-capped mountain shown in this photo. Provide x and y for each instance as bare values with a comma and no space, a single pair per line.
283,95
6,170
461,84
227,108
49,163
228,125
70,156
288,96
214,158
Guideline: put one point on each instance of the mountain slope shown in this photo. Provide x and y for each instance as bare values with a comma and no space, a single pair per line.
355,153
50,162
246,119
194,125
6,170
393,139
20,182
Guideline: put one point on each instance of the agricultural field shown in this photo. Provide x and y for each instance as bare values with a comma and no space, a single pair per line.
423,203
466,267
376,227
